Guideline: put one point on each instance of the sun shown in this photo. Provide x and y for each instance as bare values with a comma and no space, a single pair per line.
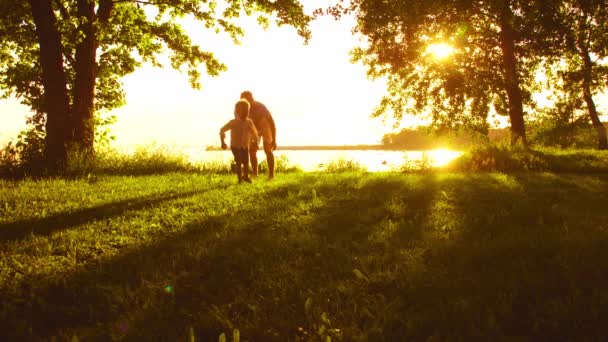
441,157
440,51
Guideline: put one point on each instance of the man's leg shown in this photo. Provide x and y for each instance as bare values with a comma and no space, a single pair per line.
253,156
269,159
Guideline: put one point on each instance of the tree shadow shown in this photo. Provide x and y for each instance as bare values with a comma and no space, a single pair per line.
45,226
205,276
101,292
400,258
519,265
581,162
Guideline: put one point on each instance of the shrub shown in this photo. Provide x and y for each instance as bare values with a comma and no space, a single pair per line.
151,159
500,158
344,165
281,164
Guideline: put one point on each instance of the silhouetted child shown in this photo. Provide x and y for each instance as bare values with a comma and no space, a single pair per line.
242,131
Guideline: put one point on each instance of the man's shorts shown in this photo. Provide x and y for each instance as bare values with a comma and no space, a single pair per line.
241,155
265,136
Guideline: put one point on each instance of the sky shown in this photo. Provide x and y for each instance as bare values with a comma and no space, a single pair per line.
316,96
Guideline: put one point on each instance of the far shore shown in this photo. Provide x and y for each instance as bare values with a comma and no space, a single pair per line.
327,148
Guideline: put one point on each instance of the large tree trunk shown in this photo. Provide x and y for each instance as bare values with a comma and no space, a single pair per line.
83,114
588,96
56,99
507,44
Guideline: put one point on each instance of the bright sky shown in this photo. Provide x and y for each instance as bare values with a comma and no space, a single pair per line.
316,96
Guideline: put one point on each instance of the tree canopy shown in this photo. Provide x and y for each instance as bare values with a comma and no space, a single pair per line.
66,58
496,50
575,73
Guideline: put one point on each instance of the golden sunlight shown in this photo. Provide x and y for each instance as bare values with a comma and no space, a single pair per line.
440,51
441,157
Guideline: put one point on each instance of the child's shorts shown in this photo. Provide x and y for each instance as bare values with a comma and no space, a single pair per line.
241,155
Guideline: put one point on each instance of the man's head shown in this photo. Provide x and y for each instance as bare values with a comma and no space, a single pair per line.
241,109
247,96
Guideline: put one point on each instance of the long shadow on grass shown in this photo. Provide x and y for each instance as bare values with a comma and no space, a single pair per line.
379,258
45,226
107,291
261,279
581,162
252,269
523,262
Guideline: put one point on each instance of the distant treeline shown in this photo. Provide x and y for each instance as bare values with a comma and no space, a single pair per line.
576,134
425,138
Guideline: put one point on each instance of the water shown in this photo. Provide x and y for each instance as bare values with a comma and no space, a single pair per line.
317,160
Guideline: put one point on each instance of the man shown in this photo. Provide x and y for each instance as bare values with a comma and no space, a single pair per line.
267,131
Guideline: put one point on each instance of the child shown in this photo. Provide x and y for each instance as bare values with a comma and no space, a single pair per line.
242,131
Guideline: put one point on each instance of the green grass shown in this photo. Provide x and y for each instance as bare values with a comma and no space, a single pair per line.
354,256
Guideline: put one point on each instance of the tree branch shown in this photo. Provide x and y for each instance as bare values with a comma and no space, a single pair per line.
152,3
104,10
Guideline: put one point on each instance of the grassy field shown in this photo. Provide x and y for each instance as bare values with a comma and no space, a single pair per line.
349,256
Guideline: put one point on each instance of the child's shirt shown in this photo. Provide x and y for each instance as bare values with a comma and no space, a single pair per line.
241,132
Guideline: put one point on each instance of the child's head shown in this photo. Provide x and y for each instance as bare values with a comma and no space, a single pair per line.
241,109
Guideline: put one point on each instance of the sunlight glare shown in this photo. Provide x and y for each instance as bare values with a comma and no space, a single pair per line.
440,51
442,157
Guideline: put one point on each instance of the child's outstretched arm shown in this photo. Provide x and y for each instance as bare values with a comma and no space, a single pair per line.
223,135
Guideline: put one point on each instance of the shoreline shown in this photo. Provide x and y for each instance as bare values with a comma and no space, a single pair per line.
323,148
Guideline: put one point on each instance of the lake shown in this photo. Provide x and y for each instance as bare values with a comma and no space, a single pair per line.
317,160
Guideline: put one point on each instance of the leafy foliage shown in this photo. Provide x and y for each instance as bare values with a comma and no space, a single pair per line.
461,89
120,36
575,74
136,32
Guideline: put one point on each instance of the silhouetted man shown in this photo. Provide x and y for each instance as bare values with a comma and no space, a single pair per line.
267,131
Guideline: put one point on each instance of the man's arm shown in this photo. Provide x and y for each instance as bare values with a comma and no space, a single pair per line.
273,129
254,132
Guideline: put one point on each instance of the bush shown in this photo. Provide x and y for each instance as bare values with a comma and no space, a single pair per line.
9,161
578,134
281,164
500,158
344,165
145,160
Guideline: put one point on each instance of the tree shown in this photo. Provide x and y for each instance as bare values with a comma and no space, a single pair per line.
497,47
577,71
66,58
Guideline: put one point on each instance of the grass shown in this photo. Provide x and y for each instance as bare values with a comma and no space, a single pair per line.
352,256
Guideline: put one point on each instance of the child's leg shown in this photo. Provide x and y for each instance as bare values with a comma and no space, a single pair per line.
246,166
246,172
237,169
